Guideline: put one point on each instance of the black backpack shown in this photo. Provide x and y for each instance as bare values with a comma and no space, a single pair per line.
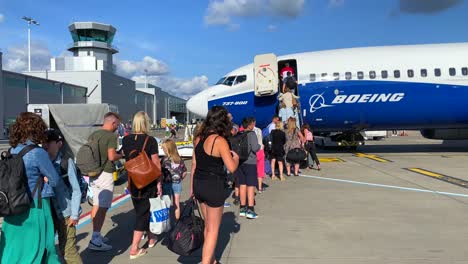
290,83
81,181
240,145
14,196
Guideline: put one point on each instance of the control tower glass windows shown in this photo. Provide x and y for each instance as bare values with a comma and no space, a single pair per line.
93,35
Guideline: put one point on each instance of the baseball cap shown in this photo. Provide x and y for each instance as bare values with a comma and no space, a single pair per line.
53,135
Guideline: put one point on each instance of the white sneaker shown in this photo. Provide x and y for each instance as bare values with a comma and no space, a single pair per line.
98,245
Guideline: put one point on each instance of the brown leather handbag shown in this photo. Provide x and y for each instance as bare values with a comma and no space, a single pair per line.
141,169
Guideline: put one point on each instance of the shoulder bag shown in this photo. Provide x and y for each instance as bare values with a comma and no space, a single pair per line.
141,169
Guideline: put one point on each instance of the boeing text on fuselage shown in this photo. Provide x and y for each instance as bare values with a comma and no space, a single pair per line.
317,101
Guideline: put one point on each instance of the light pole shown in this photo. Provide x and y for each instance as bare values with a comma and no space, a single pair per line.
146,78
34,22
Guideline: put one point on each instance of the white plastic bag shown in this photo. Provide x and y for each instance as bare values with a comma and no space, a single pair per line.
159,214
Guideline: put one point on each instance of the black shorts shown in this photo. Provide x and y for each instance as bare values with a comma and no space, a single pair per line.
246,174
210,191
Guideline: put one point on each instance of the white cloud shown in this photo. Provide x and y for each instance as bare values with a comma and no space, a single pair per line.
16,57
151,65
2,18
221,12
183,88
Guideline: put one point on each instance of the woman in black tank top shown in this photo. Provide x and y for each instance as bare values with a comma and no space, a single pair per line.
211,154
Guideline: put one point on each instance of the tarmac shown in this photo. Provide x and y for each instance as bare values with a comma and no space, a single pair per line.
398,200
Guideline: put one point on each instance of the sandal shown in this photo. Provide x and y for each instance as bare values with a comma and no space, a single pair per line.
152,245
140,253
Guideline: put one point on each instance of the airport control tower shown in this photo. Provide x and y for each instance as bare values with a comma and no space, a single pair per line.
92,48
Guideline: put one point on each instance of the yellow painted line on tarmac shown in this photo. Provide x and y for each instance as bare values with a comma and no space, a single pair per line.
372,157
322,160
442,177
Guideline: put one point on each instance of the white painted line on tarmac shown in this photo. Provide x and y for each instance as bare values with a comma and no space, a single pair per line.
386,186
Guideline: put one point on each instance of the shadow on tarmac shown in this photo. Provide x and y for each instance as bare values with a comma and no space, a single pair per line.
229,226
120,244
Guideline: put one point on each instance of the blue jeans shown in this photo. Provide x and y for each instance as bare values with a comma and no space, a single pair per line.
172,188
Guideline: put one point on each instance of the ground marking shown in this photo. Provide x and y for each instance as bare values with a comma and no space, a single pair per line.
372,157
386,186
330,160
441,177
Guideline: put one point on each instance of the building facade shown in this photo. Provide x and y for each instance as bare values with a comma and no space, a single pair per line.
165,104
18,90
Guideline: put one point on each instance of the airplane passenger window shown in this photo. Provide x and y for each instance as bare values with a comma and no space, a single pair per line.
229,80
372,74
437,72
336,76
423,73
360,75
240,79
396,73
452,72
324,75
348,75
465,71
410,73
312,77
384,74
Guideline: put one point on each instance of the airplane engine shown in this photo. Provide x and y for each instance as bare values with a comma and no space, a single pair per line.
445,134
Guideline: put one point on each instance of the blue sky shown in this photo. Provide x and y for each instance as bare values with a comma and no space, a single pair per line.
189,44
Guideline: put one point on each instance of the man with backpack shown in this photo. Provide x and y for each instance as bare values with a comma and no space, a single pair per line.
289,82
100,153
67,200
246,146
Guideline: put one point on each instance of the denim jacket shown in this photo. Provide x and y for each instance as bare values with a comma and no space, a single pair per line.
37,164
67,200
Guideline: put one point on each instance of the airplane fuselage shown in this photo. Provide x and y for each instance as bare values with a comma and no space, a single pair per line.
377,88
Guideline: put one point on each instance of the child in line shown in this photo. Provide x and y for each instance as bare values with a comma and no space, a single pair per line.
174,171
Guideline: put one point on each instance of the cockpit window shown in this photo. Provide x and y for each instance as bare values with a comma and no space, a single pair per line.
240,79
229,80
221,80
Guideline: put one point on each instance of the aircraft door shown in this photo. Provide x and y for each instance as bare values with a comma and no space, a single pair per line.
265,75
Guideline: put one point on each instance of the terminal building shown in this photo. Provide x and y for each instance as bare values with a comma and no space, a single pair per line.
18,90
91,66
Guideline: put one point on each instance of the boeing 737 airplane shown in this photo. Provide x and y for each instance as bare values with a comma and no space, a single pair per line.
419,87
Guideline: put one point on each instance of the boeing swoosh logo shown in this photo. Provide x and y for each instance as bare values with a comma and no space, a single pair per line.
316,102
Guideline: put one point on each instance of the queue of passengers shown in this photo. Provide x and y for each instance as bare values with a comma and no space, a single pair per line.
56,203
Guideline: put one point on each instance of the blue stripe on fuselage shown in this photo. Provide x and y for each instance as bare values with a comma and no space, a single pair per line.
407,105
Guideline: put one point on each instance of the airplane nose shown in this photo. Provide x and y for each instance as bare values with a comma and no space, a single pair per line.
198,105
